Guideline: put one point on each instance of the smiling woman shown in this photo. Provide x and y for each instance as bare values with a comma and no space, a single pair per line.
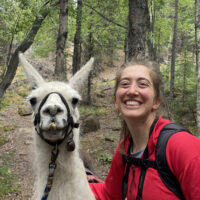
137,97
136,167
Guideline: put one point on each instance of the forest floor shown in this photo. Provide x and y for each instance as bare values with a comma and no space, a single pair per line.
16,139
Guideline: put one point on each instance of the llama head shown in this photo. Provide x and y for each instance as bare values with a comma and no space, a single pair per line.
55,103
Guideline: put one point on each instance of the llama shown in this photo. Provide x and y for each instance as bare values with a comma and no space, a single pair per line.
56,136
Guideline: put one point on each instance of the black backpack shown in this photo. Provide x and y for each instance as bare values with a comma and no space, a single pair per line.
160,164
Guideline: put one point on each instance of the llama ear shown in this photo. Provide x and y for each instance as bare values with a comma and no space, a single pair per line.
34,77
79,77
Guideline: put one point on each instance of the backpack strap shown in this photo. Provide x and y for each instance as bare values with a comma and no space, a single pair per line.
164,171
143,162
145,165
160,163
127,168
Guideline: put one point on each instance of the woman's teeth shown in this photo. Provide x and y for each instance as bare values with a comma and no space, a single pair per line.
132,103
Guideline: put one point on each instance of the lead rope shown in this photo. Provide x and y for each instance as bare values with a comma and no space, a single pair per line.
52,167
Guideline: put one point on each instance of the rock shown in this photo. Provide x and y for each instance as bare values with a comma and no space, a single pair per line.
116,128
25,110
27,142
109,139
104,79
89,124
100,94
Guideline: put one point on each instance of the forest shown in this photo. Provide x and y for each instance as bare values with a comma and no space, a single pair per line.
164,32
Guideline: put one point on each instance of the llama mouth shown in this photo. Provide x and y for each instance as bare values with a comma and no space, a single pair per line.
53,132
54,136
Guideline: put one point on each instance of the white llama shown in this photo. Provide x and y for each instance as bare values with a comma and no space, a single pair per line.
56,118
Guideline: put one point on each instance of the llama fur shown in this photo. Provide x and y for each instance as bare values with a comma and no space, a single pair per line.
70,180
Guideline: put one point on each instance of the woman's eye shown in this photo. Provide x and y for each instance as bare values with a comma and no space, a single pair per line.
124,83
143,84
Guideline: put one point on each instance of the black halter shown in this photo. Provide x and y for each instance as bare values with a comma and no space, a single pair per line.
67,131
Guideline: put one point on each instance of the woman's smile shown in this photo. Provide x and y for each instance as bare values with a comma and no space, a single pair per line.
132,103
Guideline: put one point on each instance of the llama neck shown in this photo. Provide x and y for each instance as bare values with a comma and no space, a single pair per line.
69,174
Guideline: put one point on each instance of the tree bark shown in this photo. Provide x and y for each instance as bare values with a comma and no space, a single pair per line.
26,43
173,58
197,63
152,50
12,39
184,77
87,54
138,27
77,39
60,68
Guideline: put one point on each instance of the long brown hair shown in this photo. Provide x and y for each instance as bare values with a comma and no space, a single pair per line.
155,75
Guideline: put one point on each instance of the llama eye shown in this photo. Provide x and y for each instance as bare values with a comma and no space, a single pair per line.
33,101
74,101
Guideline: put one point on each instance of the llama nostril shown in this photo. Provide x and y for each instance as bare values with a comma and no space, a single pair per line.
53,110
59,110
46,111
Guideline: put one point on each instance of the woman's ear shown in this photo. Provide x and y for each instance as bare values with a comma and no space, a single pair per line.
157,103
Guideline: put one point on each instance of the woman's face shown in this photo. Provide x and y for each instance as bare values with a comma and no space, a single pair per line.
135,95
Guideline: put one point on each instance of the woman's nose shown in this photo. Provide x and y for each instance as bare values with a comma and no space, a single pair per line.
132,90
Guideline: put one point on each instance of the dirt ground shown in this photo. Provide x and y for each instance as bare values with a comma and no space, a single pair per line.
19,141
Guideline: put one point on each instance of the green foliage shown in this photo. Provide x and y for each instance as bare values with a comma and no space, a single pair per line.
3,139
183,107
105,158
87,110
99,20
17,17
45,41
8,182
5,128
102,156
105,83
106,35
4,102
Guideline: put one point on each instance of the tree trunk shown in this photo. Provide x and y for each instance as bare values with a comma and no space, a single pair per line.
197,62
158,49
12,39
60,68
77,39
14,60
152,50
138,24
173,58
184,76
89,55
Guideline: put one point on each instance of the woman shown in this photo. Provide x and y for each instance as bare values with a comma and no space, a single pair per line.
137,98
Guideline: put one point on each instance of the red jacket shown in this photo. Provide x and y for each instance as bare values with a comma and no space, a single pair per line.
183,156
